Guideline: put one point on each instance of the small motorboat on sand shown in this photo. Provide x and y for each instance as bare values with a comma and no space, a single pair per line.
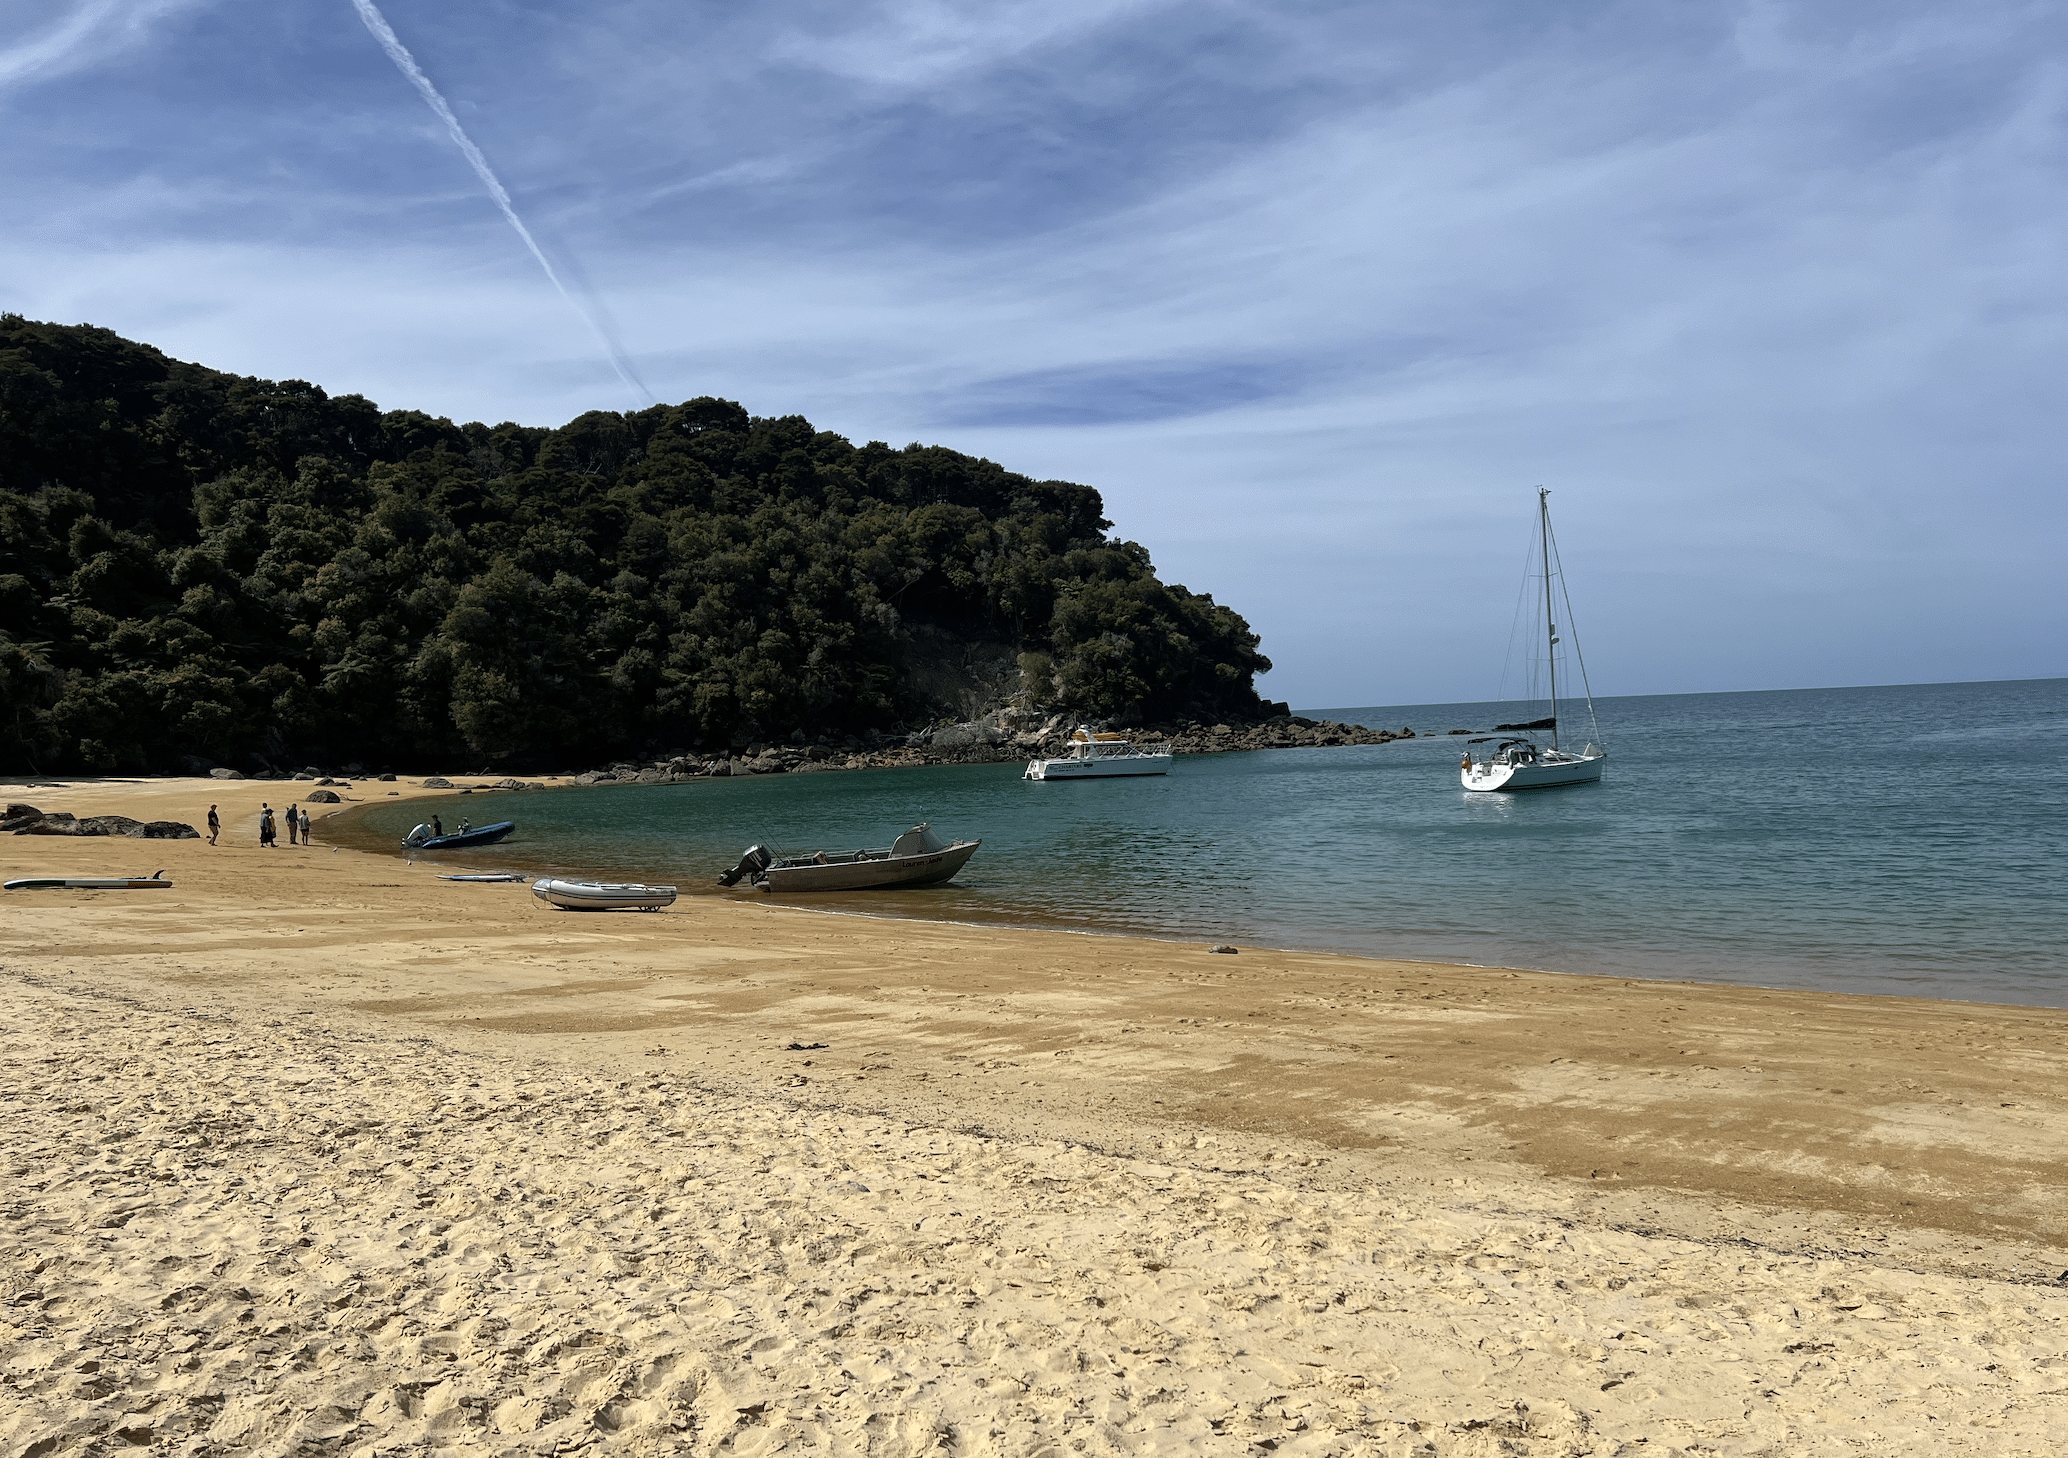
422,837
602,895
916,858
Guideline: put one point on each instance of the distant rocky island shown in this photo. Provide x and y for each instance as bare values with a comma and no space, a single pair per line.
201,570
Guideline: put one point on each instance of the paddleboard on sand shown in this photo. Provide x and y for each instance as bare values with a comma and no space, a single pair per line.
90,883
500,876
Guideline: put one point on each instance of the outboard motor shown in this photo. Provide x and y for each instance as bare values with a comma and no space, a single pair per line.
753,863
418,836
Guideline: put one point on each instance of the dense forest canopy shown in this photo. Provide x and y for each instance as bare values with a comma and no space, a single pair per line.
196,566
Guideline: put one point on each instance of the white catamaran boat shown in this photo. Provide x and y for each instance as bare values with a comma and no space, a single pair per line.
1091,756
1521,762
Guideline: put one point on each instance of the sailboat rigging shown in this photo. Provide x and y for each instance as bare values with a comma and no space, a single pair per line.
1522,763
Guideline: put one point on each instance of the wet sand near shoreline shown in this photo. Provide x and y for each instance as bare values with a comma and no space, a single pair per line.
1320,1202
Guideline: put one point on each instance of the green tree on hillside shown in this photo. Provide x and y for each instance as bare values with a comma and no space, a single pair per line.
196,566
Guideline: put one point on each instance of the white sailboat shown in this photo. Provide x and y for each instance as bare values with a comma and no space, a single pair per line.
1521,762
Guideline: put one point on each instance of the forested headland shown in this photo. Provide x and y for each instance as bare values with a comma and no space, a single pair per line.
199,568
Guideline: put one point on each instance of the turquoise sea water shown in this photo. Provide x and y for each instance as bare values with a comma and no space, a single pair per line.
1904,840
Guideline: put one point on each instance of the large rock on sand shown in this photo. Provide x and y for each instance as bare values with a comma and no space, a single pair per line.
322,797
960,736
28,820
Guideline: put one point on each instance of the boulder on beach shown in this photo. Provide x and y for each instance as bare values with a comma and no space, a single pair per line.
224,772
437,782
959,736
322,797
27,820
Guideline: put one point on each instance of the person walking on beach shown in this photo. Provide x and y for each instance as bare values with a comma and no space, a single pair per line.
305,825
265,824
215,825
293,825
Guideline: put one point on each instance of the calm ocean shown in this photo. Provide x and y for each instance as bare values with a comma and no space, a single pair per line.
1902,840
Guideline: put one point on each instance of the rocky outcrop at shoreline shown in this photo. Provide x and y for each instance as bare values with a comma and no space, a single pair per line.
1001,737
1290,732
1007,736
28,820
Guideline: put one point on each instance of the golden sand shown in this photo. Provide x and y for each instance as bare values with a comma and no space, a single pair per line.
316,1153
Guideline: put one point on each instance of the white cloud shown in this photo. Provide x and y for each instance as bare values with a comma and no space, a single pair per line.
1779,317
85,34
912,44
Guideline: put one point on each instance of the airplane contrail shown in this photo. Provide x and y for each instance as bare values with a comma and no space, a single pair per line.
377,23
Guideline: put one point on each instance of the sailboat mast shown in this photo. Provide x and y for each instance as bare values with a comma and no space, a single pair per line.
1550,621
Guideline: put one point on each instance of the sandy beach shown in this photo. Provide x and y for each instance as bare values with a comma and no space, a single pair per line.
316,1153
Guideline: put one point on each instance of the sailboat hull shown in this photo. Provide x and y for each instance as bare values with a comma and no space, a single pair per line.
1539,776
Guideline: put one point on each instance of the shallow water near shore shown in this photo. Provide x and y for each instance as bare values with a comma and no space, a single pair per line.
1887,840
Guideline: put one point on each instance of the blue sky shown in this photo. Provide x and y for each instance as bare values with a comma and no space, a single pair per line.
1771,295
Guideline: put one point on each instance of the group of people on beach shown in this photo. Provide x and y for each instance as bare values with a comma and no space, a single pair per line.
296,817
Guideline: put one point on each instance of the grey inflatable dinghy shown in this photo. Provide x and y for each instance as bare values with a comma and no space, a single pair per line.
602,895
